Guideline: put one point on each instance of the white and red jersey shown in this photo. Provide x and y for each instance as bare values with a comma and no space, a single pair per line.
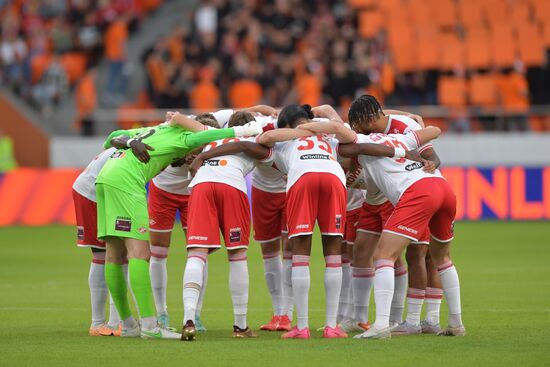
85,182
393,176
400,124
309,154
359,179
355,199
228,169
174,180
265,177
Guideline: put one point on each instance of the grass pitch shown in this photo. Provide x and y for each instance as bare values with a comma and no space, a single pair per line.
44,308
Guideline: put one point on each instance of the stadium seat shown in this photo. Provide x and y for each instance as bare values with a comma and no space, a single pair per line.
245,93
309,89
452,51
452,91
75,65
478,53
546,34
370,23
470,12
542,10
401,42
361,4
530,44
429,44
483,90
445,13
521,12
497,12
503,45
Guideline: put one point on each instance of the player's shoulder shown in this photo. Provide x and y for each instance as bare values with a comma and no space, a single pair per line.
400,124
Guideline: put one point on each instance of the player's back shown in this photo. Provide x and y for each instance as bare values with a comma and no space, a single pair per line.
85,182
309,154
393,176
227,169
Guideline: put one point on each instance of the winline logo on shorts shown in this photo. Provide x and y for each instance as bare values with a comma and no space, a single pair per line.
314,156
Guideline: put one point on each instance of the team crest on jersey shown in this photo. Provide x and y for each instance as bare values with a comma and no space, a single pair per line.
413,166
152,222
123,224
235,235
142,230
80,233
338,221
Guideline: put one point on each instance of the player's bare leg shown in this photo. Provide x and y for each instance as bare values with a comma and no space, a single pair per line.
390,247
400,292
160,244
238,285
301,250
192,285
434,294
273,271
440,253
332,249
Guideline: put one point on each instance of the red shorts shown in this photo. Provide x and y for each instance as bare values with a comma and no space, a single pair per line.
428,205
373,217
86,222
213,207
352,220
162,206
316,196
268,215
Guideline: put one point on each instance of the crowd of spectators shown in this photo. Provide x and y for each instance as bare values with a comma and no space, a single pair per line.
50,46
237,53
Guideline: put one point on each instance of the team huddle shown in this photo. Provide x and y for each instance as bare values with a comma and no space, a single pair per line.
371,185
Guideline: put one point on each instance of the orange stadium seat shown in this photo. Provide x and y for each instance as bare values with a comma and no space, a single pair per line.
445,13
503,45
396,13
75,65
370,23
360,4
429,46
483,90
245,93
470,12
422,12
309,89
542,10
546,34
452,91
387,78
401,42
530,44
497,11
452,52
478,49
521,12
205,96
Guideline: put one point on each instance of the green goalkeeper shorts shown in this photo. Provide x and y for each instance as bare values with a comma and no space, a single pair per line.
121,214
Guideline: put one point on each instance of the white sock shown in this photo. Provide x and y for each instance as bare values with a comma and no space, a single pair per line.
149,323
114,318
333,286
383,292
287,284
415,299
203,290
451,289
192,284
344,304
98,289
399,294
362,281
273,270
129,323
300,288
159,277
238,285
433,304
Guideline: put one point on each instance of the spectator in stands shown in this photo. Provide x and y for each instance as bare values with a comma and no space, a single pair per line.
13,53
53,86
514,99
115,39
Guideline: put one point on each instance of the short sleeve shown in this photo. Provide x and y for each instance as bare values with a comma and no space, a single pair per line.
223,116
362,138
410,139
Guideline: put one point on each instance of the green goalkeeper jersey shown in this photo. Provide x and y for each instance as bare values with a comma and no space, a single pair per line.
125,172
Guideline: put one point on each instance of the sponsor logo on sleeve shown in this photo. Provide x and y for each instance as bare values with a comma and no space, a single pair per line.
118,154
123,224
234,235
80,233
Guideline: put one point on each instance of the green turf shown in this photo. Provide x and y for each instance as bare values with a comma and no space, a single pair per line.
44,309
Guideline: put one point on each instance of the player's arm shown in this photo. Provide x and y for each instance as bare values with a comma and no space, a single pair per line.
121,134
327,111
426,135
195,140
271,137
415,117
253,150
433,161
263,109
377,150
341,132
187,123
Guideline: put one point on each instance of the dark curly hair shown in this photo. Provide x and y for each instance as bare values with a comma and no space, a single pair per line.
292,114
364,109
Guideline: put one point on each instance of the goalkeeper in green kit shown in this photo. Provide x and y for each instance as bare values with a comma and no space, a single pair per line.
122,218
